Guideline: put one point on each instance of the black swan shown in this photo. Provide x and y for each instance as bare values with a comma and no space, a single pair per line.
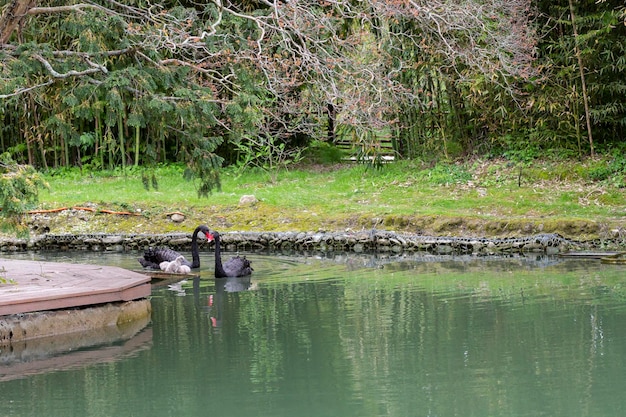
235,267
152,258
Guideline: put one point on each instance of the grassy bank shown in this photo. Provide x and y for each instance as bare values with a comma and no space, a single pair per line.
478,198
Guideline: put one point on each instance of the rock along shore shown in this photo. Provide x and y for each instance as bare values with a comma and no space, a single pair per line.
350,241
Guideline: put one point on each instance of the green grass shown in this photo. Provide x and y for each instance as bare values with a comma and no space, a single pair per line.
323,195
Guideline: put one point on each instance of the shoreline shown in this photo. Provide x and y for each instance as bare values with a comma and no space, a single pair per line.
348,241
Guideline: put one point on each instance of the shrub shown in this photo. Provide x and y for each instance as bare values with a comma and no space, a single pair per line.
19,190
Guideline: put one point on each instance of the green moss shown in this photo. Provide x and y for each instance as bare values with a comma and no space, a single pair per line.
396,221
611,198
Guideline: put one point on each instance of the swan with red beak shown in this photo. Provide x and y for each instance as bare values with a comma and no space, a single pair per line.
234,267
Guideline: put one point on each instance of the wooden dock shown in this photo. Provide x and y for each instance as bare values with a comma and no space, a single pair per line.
38,286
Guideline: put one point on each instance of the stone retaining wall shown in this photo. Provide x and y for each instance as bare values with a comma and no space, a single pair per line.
363,241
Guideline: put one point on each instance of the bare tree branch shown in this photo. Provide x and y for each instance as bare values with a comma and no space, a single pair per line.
21,91
95,68
69,8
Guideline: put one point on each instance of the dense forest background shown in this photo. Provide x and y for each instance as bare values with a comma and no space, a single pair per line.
104,84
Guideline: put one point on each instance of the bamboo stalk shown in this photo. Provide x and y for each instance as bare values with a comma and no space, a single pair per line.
99,140
582,77
136,145
109,146
120,131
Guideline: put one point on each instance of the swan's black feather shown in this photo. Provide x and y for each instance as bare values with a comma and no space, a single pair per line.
153,257
238,267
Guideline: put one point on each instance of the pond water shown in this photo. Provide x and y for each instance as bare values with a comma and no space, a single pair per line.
347,335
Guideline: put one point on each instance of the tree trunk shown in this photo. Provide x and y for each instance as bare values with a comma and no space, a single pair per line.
330,110
14,14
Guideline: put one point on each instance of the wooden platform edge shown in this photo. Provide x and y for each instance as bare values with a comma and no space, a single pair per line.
41,286
89,299
154,274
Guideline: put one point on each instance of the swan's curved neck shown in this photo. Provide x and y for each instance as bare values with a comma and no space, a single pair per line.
219,268
195,255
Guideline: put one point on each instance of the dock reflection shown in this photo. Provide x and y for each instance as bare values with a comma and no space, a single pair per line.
74,350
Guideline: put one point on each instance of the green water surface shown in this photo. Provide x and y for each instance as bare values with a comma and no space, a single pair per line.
344,336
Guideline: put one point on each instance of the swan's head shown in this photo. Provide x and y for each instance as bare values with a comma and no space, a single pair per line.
179,260
212,235
205,229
